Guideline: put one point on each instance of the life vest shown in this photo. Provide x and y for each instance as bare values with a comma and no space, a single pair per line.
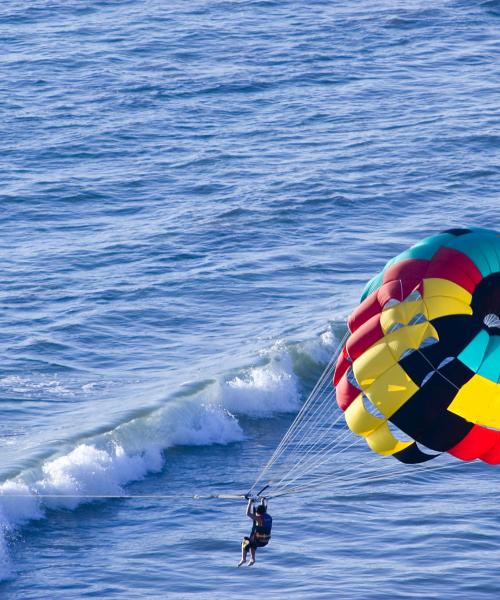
261,532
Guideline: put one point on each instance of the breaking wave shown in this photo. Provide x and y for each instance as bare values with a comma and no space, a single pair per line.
103,465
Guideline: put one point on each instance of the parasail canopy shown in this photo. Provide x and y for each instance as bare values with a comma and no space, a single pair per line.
419,373
416,375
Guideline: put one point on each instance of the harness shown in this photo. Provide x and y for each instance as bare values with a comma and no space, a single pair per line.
261,530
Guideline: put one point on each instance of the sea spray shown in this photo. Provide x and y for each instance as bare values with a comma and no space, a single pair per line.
263,390
278,385
321,350
5,565
88,471
17,506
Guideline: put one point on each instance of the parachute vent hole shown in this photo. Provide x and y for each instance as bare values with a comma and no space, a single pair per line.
486,300
492,320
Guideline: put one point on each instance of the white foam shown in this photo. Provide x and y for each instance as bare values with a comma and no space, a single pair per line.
264,390
14,512
322,348
88,470
104,465
29,387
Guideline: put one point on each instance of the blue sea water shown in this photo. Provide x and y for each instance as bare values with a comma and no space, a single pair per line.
193,196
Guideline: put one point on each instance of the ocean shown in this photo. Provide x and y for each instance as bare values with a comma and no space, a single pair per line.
193,197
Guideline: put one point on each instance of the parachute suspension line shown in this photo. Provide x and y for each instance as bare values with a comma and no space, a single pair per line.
314,416
297,424
310,459
296,439
420,470
302,441
299,429
305,419
346,479
308,464
311,449
319,462
309,421
373,466
307,445
300,421
346,483
315,481
302,430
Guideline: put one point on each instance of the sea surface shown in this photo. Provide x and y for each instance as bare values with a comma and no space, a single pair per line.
193,195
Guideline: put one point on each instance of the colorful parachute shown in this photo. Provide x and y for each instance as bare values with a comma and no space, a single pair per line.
420,371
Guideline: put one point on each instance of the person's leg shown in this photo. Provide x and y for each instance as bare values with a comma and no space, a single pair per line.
252,556
244,550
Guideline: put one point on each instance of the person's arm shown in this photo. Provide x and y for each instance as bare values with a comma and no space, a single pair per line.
250,512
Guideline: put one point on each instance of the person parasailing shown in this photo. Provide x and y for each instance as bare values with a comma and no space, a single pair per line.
261,530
